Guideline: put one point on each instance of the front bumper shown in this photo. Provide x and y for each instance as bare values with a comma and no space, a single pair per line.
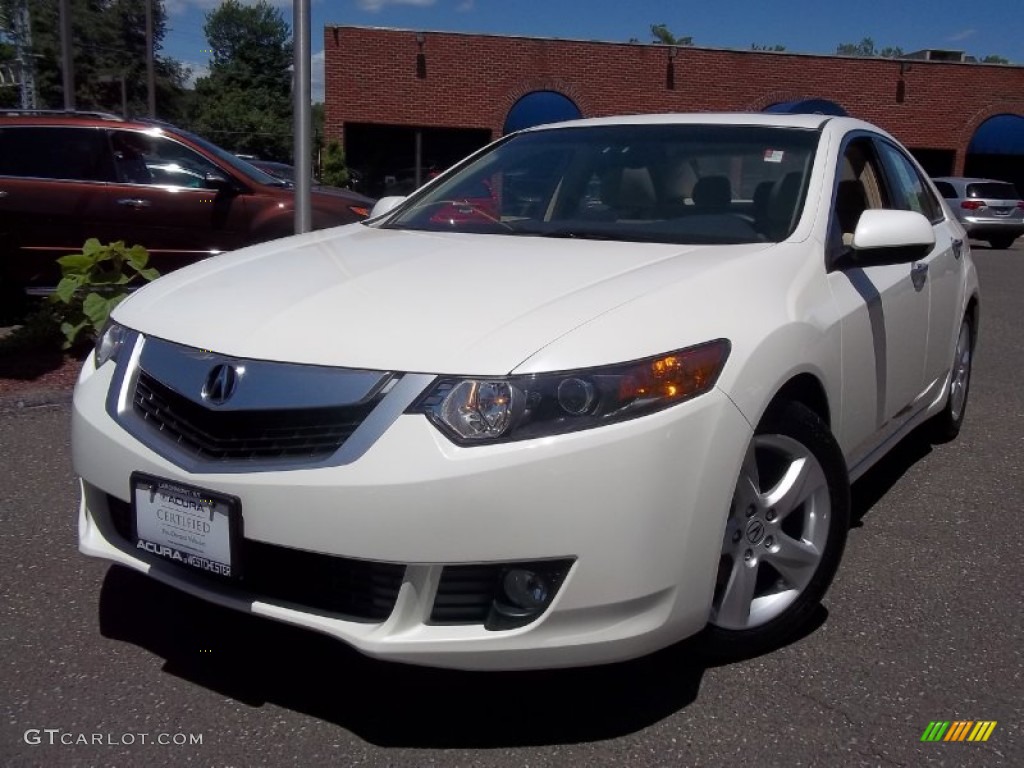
638,507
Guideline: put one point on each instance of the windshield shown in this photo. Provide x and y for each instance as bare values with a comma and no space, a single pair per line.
639,183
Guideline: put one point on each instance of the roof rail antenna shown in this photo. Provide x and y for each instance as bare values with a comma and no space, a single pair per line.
14,112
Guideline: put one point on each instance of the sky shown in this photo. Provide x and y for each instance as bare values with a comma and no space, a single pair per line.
802,26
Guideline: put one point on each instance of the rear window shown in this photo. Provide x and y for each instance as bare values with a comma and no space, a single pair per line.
992,189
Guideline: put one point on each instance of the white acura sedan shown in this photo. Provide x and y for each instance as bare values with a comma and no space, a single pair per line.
602,386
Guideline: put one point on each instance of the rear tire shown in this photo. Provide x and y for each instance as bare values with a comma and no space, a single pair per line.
945,425
784,537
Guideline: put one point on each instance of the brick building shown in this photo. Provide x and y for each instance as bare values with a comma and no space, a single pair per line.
405,102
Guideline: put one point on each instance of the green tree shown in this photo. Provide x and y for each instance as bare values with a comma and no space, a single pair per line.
756,47
335,169
9,92
866,48
993,58
245,101
660,33
108,43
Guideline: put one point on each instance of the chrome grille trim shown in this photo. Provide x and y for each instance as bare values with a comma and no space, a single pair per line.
221,435
381,397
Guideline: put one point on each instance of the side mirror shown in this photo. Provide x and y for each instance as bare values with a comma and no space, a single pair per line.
888,237
218,181
386,205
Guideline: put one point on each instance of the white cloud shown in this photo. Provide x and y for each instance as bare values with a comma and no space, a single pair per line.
198,69
962,35
176,7
466,6
378,5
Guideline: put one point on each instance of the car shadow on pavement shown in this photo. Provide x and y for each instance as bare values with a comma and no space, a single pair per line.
880,479
257,661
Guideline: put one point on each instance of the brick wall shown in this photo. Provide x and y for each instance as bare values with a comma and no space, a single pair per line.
473,80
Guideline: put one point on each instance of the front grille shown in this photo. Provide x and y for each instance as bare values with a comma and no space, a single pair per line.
357,589
293,433
465,593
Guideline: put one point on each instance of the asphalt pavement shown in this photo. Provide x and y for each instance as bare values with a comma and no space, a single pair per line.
100,666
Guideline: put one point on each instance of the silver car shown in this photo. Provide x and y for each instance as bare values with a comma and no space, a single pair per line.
988,209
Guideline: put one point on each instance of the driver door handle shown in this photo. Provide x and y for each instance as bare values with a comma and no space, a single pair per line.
134,202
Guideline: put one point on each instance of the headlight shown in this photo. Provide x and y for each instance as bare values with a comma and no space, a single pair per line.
109,342
473,411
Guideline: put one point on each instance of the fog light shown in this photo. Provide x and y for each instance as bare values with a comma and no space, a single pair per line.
526,589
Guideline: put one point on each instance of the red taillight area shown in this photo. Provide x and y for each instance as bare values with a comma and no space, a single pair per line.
1020,204
359,211
972,205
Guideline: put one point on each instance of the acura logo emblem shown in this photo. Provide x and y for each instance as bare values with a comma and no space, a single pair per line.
755,531
220,384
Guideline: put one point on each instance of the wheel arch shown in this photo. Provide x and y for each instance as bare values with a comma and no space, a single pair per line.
807,389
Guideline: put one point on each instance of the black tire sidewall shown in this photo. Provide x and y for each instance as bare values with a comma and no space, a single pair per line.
943,427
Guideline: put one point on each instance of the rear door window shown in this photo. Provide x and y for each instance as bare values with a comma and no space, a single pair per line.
946,189
42,152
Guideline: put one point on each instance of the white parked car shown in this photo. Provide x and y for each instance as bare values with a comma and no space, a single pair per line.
600,387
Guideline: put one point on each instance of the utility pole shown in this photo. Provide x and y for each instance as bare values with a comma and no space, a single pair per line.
67,62
302,93
150,77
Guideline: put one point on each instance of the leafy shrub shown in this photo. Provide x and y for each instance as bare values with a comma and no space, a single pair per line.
334,171
38,331
95,281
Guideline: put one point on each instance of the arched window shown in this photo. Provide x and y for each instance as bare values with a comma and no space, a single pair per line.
538,108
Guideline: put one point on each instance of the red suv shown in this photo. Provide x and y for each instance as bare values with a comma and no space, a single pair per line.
69,176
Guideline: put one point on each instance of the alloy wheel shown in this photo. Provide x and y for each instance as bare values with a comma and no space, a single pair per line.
776,534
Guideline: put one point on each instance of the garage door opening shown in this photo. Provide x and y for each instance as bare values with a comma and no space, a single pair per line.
396,159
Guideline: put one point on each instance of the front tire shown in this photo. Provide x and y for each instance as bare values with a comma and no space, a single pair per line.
784,536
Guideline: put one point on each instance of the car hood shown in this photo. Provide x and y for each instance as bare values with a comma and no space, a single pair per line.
381,299
327,194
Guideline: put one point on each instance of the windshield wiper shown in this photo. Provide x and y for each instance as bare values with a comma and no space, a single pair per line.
569,234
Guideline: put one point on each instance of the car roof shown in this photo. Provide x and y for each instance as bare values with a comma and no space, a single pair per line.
60,117
766,119
970,180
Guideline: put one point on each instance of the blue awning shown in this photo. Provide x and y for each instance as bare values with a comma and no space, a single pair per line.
807,107
999,135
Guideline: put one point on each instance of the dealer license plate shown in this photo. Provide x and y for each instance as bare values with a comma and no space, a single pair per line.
184,524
